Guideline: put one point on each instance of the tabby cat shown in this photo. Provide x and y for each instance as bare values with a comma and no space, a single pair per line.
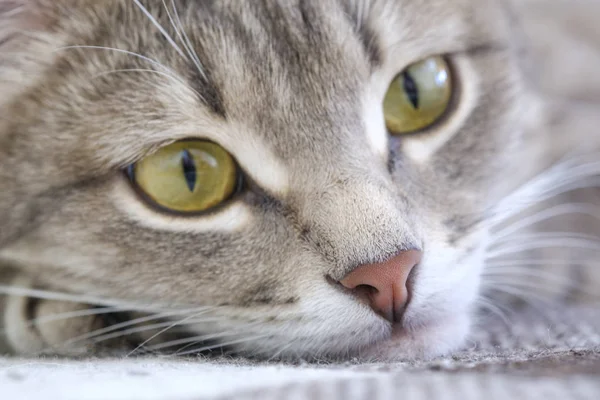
287,178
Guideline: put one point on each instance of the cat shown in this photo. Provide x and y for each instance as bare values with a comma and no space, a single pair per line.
281,178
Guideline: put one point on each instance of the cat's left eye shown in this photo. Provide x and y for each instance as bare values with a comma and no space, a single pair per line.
189,176
418,97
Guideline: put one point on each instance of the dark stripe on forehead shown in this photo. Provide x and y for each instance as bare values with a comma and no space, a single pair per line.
210,94
365,33
291,27
369,41
201,81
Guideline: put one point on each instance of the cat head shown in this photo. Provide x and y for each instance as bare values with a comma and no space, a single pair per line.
310,177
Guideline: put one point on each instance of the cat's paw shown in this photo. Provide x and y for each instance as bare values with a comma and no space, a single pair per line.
36,326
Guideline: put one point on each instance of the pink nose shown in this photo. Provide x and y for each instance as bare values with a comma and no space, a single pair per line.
383,285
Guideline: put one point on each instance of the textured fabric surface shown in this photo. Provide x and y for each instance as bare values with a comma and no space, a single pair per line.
534,354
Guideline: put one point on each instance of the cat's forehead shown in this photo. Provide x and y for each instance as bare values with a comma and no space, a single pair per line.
286,75
285,81
282,64
292,54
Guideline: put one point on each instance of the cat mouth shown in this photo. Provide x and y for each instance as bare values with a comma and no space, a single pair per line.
423,341
401,330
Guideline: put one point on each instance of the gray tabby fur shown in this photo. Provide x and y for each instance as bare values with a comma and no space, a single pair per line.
293,90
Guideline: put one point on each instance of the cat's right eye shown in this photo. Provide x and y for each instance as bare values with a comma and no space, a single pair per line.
190,176
418,97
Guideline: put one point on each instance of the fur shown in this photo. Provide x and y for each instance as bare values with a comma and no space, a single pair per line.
293,90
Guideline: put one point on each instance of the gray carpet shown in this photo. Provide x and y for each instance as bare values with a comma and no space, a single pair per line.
549,354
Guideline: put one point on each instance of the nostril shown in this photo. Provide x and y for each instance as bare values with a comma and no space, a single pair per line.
385,286
370,296
410,280
365,293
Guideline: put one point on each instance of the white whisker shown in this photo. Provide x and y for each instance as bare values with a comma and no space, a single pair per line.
282,349
526,296
73,298
570,174
517,279
97,334
520,238
171,326
187,346
529,290
70,315
207,348
128,332
580,244
152,71
494,309
543,280
526,272
183,37
200,338
525,263
563,209
159,27
117,50
575,183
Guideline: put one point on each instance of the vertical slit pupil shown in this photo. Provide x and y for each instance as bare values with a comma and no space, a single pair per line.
189,169
411,89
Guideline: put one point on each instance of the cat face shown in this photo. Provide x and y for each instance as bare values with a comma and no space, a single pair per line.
294,92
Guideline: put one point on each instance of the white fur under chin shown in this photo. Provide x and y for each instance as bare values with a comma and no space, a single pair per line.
427,342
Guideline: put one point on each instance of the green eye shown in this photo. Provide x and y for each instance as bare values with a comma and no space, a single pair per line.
418,97
187,176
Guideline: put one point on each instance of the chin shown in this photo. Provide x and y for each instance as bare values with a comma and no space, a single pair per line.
426,342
